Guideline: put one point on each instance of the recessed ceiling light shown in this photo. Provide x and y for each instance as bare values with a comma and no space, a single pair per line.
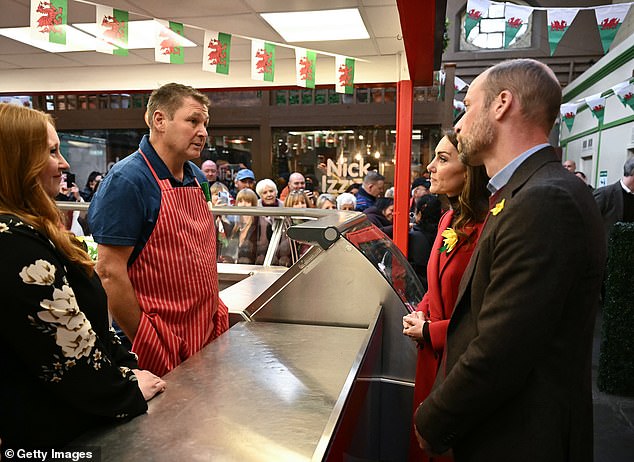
318,26
76,40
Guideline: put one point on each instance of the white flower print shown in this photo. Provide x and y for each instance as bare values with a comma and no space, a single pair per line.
4,228
74,332
41,273
75,343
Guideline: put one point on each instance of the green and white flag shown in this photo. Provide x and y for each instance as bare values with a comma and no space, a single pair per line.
596,103
475,11
515,17
48,20
625,93
217,52
168,45
559,20
344,75
262,60
305,67
609,20
568,112
112,30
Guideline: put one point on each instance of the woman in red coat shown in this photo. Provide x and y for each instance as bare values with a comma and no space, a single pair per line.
458,232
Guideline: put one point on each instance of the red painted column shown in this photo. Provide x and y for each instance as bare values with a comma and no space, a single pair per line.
404,100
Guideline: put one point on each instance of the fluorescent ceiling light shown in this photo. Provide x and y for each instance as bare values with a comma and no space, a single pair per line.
141,34
318,26
76,40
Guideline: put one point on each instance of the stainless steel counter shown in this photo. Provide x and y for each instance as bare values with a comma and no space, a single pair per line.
260,392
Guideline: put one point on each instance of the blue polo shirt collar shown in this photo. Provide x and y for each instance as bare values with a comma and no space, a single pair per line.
189,178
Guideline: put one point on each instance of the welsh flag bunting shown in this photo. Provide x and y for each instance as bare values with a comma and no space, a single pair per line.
262,60
559,20
459,84
515,16
167,47
609,19
344,75
475,11
625,92
458,108
112,30
596,103
48,20
568,113
305,66
217,52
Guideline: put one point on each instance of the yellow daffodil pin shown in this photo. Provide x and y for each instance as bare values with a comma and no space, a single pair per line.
498,207
450,241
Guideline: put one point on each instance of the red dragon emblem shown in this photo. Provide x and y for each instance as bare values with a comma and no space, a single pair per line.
559,25
515,23
50,17
168,44
264,62
569,115
611,23
474,14
306,69
217,52
628,96
345,76
597,108
115,30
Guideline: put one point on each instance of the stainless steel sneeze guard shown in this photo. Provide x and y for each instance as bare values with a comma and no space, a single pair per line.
314,366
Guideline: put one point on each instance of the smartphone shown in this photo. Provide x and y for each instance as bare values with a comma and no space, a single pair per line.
70,179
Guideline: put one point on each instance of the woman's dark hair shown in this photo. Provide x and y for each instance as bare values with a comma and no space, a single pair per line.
93,175
474,198
430,210
383,202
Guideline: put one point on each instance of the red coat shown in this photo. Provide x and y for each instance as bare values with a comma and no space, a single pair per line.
444,271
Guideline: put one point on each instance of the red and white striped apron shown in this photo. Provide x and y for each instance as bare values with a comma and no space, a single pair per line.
175,279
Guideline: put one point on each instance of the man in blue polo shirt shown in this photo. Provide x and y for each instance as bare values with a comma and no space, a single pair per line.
156,236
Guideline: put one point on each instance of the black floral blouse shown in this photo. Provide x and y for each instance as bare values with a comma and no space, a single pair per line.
63,368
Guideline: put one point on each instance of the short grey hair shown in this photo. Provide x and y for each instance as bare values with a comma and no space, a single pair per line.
263,184
373,178
346,198
326,197
628,167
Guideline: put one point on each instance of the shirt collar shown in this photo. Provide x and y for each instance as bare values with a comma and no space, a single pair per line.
161,169
625,188
501,178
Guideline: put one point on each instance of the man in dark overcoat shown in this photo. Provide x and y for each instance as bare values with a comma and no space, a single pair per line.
515,382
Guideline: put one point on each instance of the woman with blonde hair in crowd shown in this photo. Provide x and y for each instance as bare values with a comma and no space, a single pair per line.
65,370
326,201
298,200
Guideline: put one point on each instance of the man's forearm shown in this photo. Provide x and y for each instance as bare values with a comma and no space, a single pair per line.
123,305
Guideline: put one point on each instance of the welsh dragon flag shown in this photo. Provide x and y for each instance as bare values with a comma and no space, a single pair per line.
609,20
625,92
167,48
596,103
515,17
305,66
458,108
559,20
48,20
475,11
112,30
568,112
344,75
459,84
262,60
217,52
